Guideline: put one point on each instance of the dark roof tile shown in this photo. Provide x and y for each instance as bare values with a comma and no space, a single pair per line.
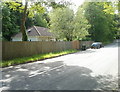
36,31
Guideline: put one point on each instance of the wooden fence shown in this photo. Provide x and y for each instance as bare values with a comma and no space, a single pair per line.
19,49
86,43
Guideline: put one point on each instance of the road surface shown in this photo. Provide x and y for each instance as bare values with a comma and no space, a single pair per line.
93,69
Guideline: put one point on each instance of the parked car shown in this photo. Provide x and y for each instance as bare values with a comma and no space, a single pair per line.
97,45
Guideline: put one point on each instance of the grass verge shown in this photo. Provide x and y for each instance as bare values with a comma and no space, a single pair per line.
23,60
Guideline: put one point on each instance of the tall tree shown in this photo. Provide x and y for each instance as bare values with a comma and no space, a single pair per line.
119,8
100,16
118,21
26,11
62,23
117,32
9,22
23,28
40,20
81,24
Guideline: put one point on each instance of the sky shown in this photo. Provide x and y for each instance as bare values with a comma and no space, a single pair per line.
77,3
74,6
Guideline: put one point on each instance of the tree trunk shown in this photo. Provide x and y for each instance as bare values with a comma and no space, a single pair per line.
69,38
23,28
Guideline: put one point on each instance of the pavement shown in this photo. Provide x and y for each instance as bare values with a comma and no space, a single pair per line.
93,69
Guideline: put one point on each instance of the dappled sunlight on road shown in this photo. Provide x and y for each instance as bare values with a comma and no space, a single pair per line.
100,61
61,78
93,69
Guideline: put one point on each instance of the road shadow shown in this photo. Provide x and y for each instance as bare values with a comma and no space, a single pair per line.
49,76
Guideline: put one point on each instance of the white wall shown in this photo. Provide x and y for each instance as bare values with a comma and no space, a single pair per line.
32,39
16,39
20,39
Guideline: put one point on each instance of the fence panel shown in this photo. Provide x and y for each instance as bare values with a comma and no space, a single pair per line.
19,49
87,43
12,50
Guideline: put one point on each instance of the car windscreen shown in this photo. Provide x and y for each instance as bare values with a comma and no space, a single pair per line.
93,44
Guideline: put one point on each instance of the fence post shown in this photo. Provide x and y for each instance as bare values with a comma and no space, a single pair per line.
76,44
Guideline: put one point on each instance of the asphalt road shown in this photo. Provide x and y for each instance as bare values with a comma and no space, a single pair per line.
93,69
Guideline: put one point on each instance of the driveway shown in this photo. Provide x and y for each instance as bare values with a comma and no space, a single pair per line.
93,69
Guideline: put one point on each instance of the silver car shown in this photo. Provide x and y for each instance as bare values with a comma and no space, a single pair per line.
96,45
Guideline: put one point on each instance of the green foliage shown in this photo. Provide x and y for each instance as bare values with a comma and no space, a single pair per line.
39,20
62,23
58,4
29,22
9,26
119,8
68,26
34,58
81,25
35,8
101,18
93,20
16,6
117,21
